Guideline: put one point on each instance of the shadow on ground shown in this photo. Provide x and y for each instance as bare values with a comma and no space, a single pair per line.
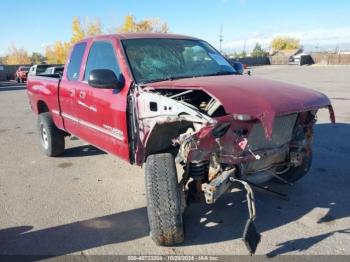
326,186
79,151
11,86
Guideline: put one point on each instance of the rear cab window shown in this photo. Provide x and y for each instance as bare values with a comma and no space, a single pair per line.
75,60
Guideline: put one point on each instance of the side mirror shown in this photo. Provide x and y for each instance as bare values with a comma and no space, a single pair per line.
104,78
238,66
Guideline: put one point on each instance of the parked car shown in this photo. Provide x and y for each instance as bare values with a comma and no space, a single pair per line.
21,74
158,99
37,69
54,70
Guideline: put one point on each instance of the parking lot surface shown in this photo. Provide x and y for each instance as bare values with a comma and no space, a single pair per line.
89,202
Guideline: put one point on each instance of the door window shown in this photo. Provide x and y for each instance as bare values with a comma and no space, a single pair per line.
101,56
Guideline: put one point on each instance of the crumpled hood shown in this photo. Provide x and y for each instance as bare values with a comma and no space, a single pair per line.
258,97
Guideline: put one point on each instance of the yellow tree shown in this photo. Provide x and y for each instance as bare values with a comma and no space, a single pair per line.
147,25
78,32
57,54
93,28
129,25
284,43
17,56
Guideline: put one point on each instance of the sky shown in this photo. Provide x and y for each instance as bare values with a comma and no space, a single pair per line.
317,23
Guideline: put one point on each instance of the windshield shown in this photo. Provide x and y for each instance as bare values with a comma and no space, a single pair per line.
153,60
26,69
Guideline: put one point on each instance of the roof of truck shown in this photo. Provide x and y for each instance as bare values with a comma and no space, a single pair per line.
123,36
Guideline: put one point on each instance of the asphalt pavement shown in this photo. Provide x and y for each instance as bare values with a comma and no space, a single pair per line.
88,202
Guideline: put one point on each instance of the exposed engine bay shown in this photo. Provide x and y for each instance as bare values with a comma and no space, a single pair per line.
218,150
204,137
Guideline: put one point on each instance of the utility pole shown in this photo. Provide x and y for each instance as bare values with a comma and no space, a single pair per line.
221,39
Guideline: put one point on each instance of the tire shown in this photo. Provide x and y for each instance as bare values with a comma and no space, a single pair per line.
17,79
296,173
163,200
20,80
51,138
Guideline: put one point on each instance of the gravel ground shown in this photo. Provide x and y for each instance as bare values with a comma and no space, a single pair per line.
89,202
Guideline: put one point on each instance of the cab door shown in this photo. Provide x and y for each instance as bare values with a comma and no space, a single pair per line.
102,112
68,86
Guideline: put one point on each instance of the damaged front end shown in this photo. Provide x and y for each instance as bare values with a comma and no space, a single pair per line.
219,150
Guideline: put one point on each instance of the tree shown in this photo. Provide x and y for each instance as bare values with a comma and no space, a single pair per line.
147,25
258,51
284,43
17,56
77,31
37,58
57,54
80,31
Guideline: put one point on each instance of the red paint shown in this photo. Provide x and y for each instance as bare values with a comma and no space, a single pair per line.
21,74
260,98
103,118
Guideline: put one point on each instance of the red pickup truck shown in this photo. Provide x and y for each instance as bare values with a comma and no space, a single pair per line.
161,99
21,74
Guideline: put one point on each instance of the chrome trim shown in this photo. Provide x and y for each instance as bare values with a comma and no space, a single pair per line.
92,126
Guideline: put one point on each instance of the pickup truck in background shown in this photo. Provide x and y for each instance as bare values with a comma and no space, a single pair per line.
38,69
21,74
160,99
53,70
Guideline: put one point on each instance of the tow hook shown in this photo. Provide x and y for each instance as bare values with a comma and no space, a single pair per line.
251,237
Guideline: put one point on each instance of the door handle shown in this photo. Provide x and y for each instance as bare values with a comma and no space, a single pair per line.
82,94
72,92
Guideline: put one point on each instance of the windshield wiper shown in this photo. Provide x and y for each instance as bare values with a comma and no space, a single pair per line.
168,78
171,78
220,73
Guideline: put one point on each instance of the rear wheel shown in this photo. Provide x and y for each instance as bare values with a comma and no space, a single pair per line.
163,200
51,138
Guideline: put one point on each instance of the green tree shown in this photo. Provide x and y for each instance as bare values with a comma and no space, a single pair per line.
284,43
242,54
37,58
258,51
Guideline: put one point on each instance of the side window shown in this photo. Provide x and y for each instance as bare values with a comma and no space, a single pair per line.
75,61
101,56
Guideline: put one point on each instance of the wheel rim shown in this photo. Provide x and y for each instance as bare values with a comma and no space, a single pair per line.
44,137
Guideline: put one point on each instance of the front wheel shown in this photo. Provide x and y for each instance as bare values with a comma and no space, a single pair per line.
297,172
51,138
163,200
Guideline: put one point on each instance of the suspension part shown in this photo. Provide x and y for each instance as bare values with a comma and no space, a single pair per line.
199,172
